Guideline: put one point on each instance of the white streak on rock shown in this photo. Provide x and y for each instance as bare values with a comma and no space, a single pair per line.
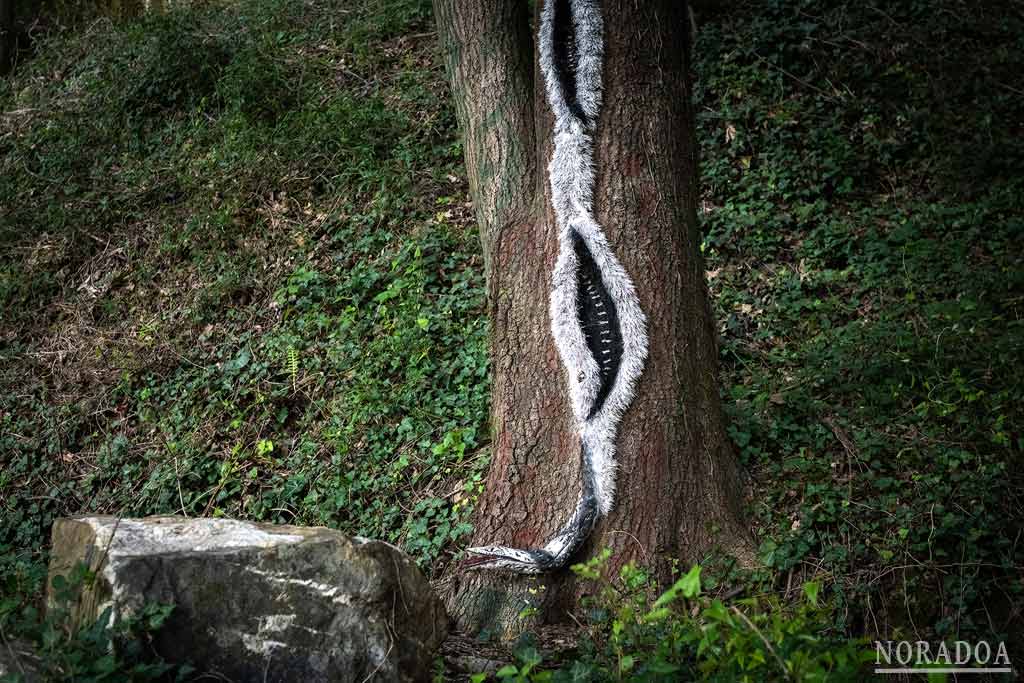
331,592
256,644
276,622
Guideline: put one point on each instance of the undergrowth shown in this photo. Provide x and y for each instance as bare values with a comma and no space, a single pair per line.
863,214
239,276
636,633
240,281
61,649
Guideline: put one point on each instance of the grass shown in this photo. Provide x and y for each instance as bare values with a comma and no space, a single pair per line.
239,276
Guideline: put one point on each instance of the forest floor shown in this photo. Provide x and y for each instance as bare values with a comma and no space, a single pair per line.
239,276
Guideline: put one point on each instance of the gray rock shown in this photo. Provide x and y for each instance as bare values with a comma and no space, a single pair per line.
257,602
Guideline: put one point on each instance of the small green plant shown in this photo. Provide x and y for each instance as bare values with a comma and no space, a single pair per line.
292,360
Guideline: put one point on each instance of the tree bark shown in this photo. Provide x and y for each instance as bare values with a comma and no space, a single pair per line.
489,60
679,493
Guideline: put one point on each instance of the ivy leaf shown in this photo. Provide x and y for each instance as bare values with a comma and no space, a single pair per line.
688,585
811,590
691,582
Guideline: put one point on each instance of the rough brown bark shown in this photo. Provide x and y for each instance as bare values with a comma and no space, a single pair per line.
679,493
489,60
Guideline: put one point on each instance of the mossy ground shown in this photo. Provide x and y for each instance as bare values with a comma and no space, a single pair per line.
239,276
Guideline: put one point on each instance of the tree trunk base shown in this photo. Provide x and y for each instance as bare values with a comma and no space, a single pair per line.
497,606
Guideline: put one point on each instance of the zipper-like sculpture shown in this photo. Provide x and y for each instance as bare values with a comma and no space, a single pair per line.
596,320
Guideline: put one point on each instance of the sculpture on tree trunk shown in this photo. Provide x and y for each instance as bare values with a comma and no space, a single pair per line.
596,320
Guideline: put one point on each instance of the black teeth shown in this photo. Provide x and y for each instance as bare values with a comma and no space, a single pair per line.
599,319
566,56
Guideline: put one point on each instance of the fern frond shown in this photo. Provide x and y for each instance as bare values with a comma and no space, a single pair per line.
293,366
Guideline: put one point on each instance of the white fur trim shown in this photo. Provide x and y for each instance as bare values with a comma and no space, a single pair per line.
571,174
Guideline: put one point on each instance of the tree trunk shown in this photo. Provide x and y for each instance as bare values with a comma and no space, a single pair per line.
679,493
